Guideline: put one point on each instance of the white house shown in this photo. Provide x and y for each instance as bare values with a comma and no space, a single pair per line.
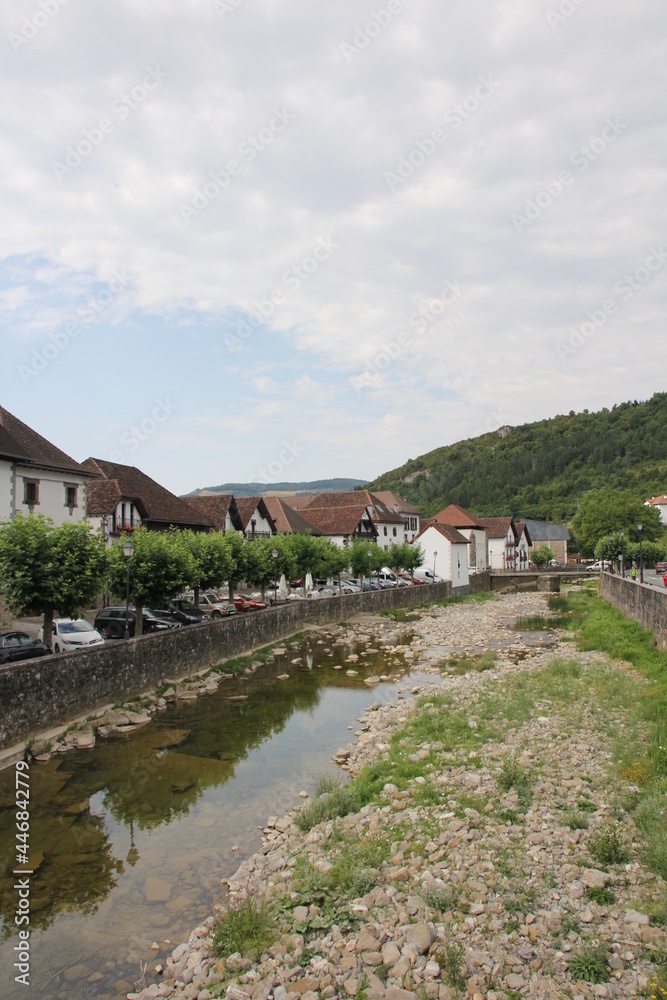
36,477
523,545
409,513
501,540
341,517
661,504
256,522
445,550
470,527
218,508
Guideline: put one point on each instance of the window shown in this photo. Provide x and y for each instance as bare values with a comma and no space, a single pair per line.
385,529
71,495
31,491
394,532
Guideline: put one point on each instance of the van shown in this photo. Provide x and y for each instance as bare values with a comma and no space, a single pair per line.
426,576
387,577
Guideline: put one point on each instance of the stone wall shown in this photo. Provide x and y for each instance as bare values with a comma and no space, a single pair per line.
639,601
53,690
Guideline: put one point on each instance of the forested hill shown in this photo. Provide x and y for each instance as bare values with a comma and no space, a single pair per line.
541,470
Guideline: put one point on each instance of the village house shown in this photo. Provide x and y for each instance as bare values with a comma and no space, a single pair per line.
122,499
220,509
522,546
255,518
445,552
661,504
36,477
555,536
341,517
287,520
471,528
410,514
501,541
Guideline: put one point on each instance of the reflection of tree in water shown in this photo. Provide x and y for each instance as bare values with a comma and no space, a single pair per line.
147,778
76,870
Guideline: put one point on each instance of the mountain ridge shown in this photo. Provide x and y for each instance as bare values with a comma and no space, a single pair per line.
336,485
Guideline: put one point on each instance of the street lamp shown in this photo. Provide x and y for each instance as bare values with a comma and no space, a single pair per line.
611,554
641,560
622,555
435,556
275,576
370,571
128,552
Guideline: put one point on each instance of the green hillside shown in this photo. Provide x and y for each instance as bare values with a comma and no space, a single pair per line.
541,470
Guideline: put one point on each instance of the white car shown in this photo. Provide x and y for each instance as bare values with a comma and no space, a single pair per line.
71,634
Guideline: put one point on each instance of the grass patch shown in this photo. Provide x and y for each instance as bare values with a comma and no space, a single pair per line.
590,965
441,900
332,799
602,895
245,926
462,664
575,820
532,623
450,960
608,847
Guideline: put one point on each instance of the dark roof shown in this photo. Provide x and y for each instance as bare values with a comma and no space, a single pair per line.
497,527
155,503
247,506
214,508
522,527
337,513
287,520
19,442
458,517
390,499
447,531
543,531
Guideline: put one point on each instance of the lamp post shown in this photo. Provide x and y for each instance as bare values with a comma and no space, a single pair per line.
641,559
128,552
622,555
275,576
611,554
370,571
435,556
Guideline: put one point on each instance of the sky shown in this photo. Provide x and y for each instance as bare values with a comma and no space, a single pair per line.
268,240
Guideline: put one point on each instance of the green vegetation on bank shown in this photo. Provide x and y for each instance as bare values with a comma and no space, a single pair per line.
542,470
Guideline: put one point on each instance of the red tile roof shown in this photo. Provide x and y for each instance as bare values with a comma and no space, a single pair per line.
247,506
457,516
214,508
286,519
155,503
337,513
497,527
522,527
447,531
20,442
657,501
389,499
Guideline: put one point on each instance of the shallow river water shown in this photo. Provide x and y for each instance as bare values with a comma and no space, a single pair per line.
129,841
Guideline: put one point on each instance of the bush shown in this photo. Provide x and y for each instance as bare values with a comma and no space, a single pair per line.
590,964
339,801
244,926
608,847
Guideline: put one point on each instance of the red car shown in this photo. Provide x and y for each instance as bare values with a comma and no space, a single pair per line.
245,604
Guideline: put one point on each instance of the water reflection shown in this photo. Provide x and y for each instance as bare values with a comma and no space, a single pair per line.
129,841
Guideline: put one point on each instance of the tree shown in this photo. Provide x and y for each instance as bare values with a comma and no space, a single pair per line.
309,555
259,563
404,557
541,556
604,512
235,545
48,569
160,568
212,559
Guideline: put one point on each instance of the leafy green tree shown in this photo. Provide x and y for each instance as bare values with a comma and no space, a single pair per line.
414,557
337,561
160,568
260,566
404,557
235,545
309,555
50,570
212,560
541,556
604,512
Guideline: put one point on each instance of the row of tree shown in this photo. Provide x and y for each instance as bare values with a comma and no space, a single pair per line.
61,570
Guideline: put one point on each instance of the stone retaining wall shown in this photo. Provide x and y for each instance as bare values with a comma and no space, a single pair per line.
51,691
639,601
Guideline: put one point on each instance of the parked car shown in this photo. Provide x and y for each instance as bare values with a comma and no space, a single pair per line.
660,568
182,611
426,576
71,634
110,622
213,605
350,586
245,604
16,646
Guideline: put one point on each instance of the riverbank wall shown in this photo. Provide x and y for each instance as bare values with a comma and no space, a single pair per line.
52,691
640,601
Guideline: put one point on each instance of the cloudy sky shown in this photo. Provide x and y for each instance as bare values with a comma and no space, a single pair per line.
278,239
